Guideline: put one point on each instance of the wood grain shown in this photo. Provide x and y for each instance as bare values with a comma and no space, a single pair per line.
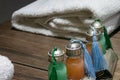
115,39
23,72
29,52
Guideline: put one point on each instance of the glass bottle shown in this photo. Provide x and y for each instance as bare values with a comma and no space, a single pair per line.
99,29
74,61
60,68
102,74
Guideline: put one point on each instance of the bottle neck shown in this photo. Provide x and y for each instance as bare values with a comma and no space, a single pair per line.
90,39
74,53
74,58
57,58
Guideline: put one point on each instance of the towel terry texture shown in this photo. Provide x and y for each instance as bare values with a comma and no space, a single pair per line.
65,18
6,68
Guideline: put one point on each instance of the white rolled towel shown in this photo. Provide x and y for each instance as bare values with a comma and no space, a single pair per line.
6,68
65,18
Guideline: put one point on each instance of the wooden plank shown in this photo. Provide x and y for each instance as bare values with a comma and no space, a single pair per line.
4,31
117,36
28,73
118,67
23,52
25,59
116,45
117,33
29,52
117,71
26,48
116,76
38,39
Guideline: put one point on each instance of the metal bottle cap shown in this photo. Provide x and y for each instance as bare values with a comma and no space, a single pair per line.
97,25
90,33
58,54
73,49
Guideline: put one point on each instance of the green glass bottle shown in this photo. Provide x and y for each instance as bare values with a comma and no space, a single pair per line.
57,68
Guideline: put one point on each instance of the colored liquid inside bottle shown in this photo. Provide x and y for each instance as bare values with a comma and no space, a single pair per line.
75,68
89,47
74,62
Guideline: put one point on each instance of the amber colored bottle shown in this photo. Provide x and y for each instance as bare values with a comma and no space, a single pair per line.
74,62
89,47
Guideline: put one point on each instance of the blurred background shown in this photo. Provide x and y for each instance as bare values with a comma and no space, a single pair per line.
7,7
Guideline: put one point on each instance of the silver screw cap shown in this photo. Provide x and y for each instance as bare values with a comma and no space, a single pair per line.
58,54
73,49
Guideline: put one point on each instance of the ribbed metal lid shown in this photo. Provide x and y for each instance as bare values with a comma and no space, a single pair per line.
97,24
58,54
90,33
73,49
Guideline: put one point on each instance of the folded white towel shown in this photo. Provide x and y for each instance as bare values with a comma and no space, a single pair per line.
63,18
113,23
6,68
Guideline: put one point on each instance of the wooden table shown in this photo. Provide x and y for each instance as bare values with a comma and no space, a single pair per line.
29,51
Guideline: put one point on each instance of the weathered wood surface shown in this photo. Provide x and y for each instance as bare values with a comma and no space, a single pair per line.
29,51
115,39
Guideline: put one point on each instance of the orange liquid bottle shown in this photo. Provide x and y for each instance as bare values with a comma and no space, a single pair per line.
74,62
89,47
